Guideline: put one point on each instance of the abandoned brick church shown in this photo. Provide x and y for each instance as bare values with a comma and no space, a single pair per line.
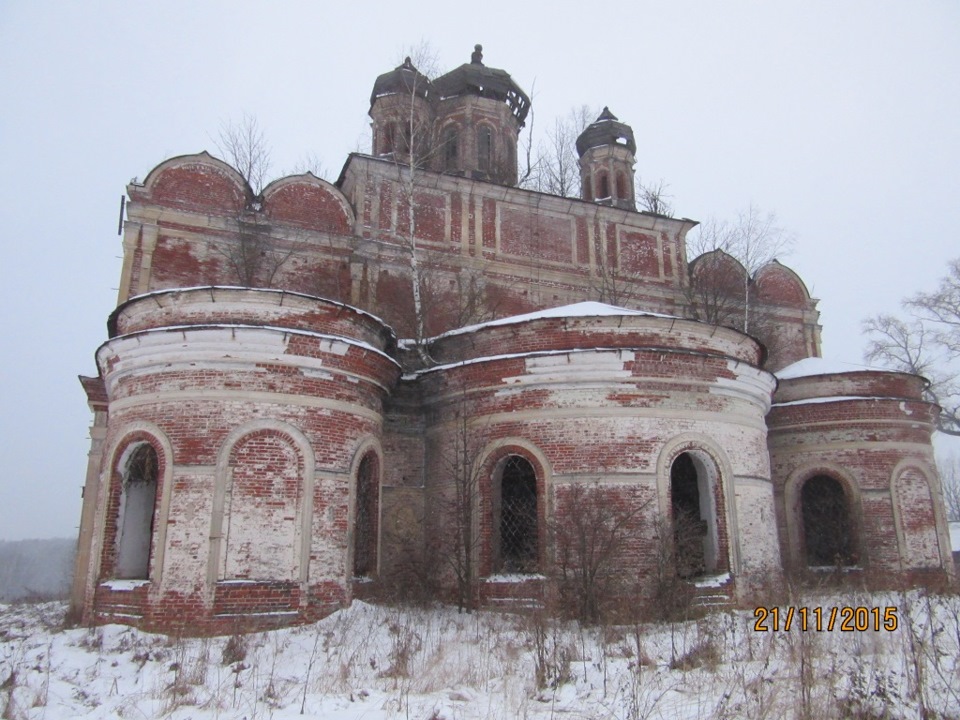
424,374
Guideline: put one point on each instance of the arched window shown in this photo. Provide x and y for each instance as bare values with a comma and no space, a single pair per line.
827,532
515,517
510,153
485,148
367,517
695,543
451,148
137,500
603,186
388,138
623,190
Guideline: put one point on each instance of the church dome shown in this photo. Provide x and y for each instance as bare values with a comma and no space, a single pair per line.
475,78
405,79
606,130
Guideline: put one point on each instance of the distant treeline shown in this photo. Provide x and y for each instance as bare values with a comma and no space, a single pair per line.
36,569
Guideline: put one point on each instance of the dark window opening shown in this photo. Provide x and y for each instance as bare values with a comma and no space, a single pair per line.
139,495
826,523
451,149
693,549
518,517
485,149
365,525
603,187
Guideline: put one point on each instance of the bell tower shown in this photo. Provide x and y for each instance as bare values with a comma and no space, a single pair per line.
606,149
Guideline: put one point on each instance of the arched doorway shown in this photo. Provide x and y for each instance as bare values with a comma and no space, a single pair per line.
516,518
137,500
827,530
693,515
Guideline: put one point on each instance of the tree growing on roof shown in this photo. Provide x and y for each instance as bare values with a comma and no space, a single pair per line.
253,253
719,292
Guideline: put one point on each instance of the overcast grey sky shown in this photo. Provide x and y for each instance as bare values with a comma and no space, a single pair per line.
843,117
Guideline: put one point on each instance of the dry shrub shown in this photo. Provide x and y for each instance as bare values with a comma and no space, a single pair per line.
234,650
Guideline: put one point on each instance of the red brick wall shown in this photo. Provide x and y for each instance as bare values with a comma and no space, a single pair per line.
861,443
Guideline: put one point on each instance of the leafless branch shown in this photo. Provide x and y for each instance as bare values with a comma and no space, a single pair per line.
916,347
654,198
244,145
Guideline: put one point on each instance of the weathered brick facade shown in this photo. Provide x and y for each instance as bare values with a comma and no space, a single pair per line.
264,448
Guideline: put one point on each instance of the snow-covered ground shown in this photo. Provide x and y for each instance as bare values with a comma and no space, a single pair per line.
377,662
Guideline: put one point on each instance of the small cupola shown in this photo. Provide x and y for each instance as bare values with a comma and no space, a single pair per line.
401,112
607,149
479,113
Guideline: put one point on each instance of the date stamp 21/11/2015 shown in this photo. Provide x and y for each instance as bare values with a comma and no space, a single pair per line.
844,619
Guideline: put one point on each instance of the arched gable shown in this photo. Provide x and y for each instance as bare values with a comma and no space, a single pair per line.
309,202
718,270
779,285
198,182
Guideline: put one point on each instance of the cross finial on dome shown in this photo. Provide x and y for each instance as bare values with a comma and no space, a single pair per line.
477,57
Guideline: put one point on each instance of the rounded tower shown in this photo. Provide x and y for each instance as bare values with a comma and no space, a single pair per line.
400,106
606,150
479,114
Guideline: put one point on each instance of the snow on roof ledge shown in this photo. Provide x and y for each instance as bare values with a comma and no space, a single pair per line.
821,366
580,309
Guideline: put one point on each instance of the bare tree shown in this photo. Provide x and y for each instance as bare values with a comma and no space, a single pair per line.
950,479
309,163
610,283
654,198
410,153
715,291
590,544
253,255
456,544
754,239
556,167
244,145
673,596
457,297
927,343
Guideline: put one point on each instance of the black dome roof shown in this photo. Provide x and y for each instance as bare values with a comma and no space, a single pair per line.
405,79
606,130
475,78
